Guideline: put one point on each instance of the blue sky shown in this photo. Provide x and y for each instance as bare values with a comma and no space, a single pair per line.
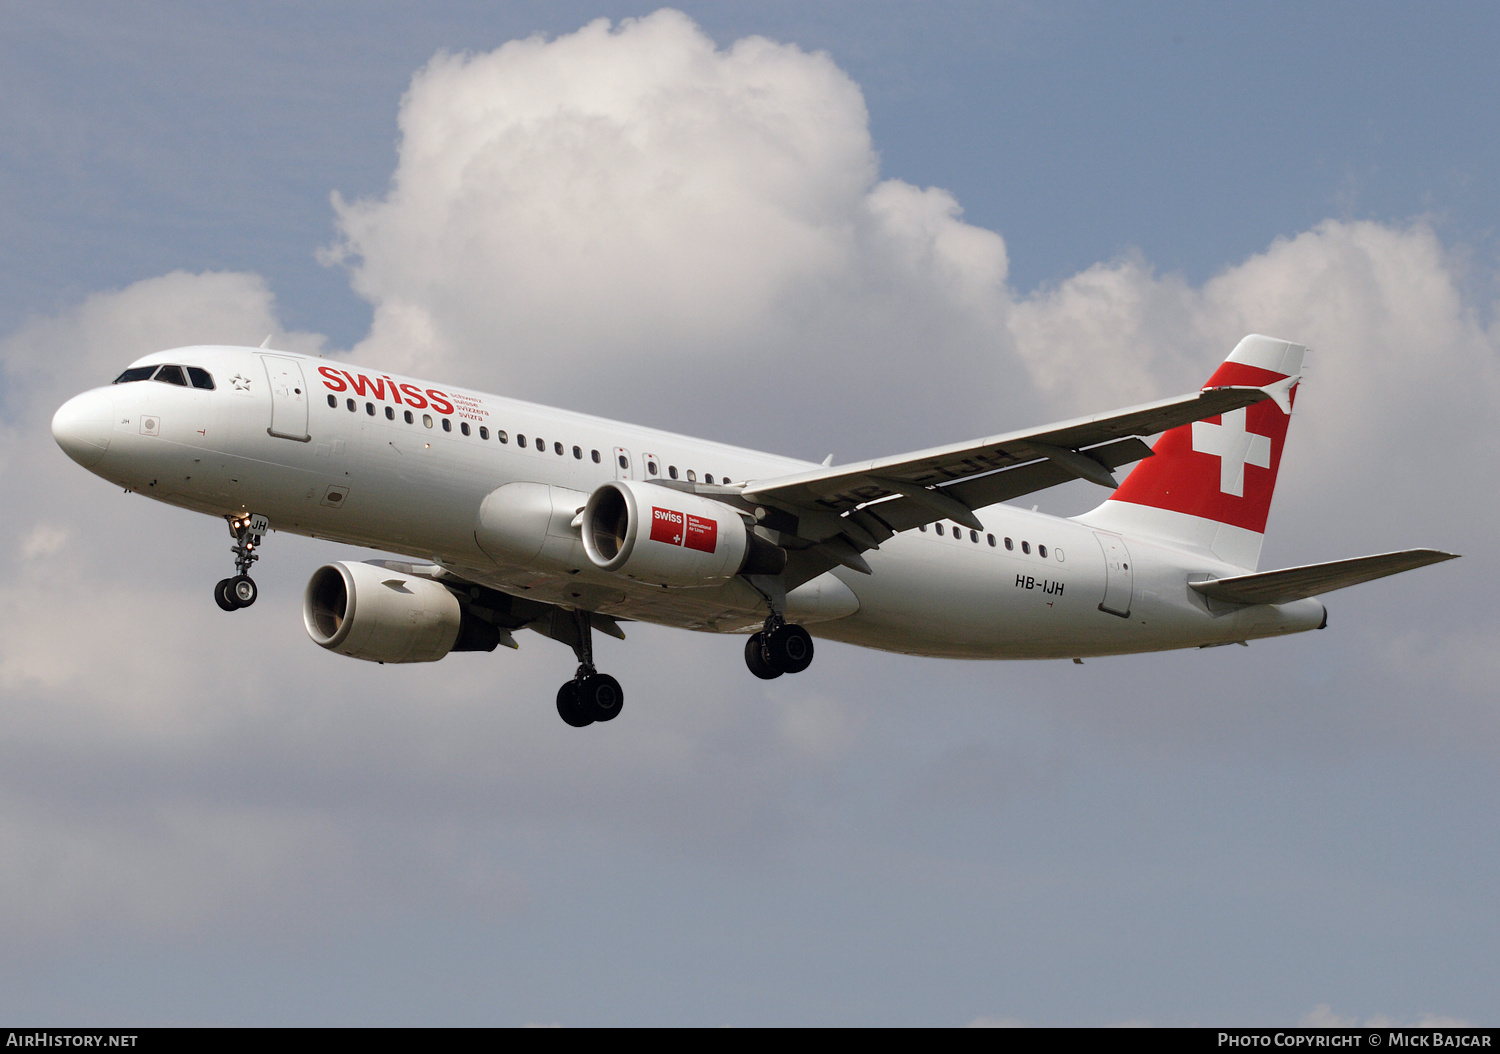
216,823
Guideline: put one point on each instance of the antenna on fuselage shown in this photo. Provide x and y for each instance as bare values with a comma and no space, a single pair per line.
267,342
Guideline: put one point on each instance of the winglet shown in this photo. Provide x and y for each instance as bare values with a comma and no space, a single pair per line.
1281,392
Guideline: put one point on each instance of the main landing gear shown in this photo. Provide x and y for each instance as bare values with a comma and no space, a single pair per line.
590,696
231,594
781,647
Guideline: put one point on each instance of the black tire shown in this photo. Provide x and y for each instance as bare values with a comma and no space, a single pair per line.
601,697
242,590
568,708
223,597
755,658
790,648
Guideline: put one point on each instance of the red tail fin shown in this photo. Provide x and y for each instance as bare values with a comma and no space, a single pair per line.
1209,484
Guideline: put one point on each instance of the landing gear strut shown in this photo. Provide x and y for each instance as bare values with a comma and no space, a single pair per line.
231,594
781,647
590,696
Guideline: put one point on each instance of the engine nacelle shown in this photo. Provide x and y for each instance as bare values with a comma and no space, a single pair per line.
371,612
531,524
672,537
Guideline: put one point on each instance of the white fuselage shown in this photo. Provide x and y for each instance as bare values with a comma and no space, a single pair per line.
366,478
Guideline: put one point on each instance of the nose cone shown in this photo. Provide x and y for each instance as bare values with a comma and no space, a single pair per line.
81,427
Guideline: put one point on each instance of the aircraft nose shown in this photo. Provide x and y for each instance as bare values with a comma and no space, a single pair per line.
81,427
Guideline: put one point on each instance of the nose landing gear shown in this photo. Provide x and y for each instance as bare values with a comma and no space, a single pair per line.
231,594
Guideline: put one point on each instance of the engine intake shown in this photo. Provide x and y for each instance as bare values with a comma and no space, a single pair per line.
671,537
371,612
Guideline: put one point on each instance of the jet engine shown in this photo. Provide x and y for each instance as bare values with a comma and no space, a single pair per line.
371,612
672,537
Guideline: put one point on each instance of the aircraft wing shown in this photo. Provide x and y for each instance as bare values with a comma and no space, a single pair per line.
1295,583
841,511
504,611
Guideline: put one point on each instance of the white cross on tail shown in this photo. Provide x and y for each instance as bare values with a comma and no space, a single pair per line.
1233,446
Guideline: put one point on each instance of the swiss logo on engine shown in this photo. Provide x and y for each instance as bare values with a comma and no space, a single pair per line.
666,526
692,532
702,534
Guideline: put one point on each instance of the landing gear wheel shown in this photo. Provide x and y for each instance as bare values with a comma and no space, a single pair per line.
790,648
242,590
569,708
600,697
755,658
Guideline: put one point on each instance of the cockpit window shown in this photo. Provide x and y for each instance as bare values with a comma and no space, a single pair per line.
169,375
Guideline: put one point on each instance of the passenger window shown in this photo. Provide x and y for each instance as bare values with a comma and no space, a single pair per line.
171,375
1009,544
484,433
1041,550
447,425
692,476
502,436
708,477
427,420
350,404
333,403
672,471
390,413
578,454
520,440
725,481
1026,548
974,537
200,378
651,467
407,414
991,537
624,462
557,448
370,409
541,445
135,373
922,528
463,426
595,454
939,528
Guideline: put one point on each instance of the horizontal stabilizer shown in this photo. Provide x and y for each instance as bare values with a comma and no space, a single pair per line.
1295,583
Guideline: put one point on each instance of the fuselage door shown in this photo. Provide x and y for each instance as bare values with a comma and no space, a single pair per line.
288,398
1119,579
622,463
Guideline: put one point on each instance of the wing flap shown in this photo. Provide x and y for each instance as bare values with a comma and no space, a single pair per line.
1296,583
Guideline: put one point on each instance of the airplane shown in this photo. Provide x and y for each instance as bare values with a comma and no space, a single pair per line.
518,516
